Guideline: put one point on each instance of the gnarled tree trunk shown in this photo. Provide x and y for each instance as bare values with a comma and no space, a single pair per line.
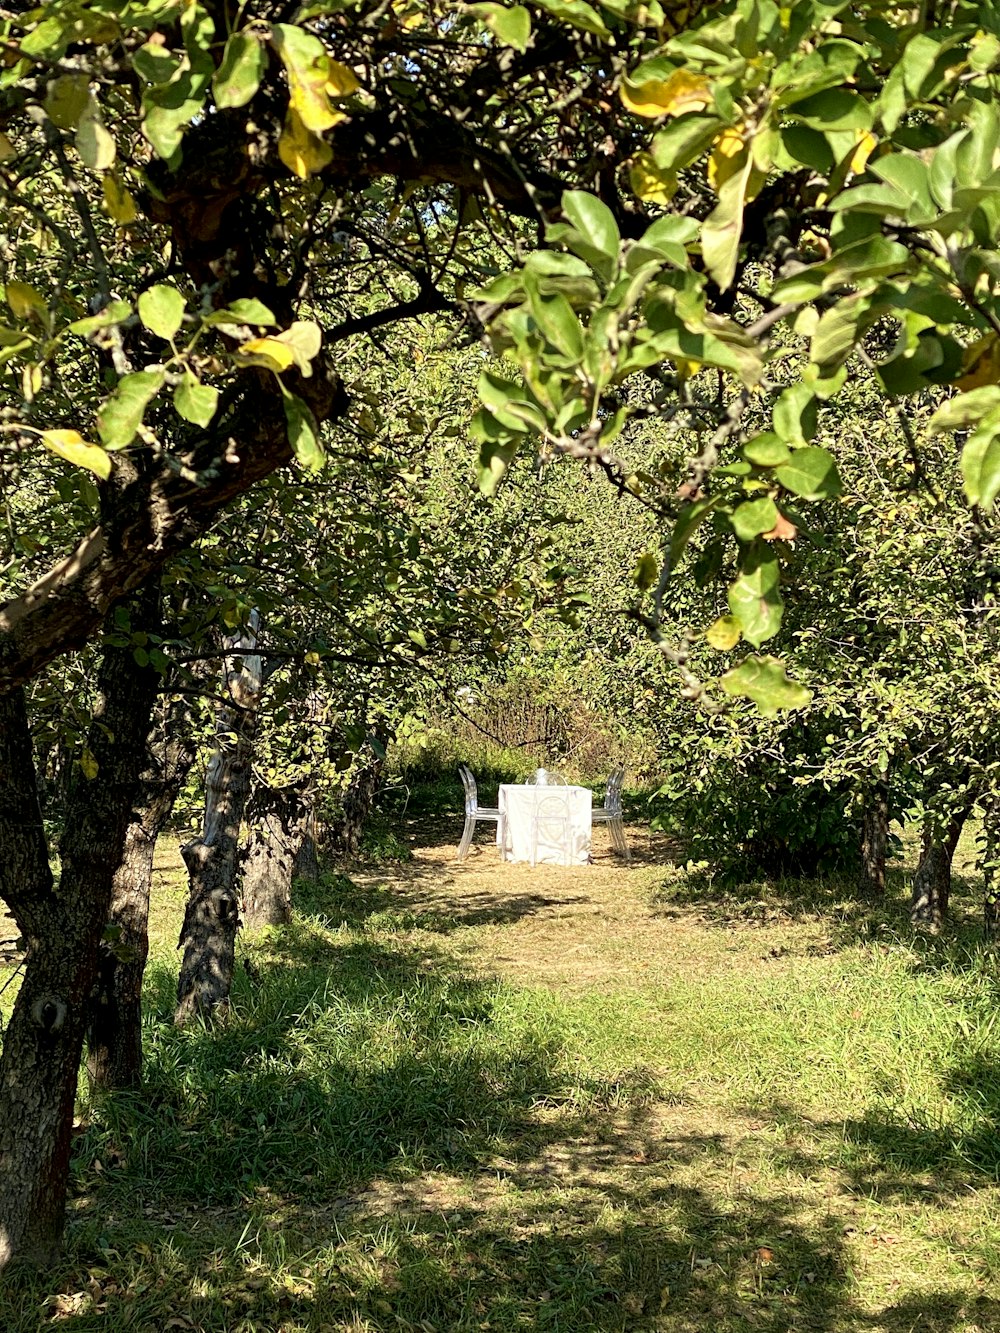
932,878
280,820
62,927
212,917
114,1028
875,838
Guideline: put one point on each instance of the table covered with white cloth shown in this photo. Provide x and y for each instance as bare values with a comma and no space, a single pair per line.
550,824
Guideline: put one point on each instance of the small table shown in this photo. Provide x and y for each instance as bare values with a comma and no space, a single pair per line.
558,817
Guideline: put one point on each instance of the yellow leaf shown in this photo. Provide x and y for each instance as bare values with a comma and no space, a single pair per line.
277,356
724,159
89,764
685,369
118,201
71,445
673,96
93,141
981,363
302,152
724,633
25,301
867,144
340,81
7,149
649,182
310,75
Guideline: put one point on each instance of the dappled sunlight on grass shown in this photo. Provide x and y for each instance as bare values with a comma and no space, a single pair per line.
482,1097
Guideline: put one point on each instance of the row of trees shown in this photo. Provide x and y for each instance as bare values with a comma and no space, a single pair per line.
706,216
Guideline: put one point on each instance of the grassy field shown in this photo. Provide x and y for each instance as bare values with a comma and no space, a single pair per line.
490,1097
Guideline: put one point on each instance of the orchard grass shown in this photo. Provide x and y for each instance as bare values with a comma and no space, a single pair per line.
485,1097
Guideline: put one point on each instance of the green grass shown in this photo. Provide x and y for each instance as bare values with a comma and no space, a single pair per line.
785,1117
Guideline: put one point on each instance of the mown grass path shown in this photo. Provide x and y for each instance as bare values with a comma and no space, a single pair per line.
610,1098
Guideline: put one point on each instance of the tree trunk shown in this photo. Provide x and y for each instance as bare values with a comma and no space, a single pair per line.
932,878
211,919
307,858
875,839
114,1028
62,928
280,818
345,836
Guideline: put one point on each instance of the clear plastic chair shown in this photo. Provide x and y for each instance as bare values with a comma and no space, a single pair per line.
550,823
474,811
610,813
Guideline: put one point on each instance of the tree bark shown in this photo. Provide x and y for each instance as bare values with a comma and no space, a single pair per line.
932,878
114,1027
211,919
279,819
344,837
875,839
62,927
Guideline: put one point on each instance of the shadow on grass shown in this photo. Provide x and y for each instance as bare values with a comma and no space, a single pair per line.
852,916
336,901
558,1238
376,1142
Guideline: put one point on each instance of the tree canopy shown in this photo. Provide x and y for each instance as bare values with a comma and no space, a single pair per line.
727,203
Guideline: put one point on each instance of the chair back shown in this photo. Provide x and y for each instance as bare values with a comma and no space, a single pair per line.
471,790
613,792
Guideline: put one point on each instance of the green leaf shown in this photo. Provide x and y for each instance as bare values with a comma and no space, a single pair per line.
508,403
576,13
245,310
968,409
906,173
111,314
688,521
161,309
647,571
557,321
238,77
89,764
840,329
754,597
303,433
593,221
764,681
510,25
753,517
812,474
766,450
794,414
495,458
195,402
724,633
834,109
66,99
71,445
121,416
981,463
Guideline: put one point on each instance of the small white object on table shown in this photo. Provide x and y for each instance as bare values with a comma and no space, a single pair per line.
554,822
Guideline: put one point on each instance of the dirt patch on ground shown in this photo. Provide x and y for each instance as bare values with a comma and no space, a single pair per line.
572,927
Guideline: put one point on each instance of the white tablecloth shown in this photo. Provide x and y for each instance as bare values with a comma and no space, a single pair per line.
561,815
